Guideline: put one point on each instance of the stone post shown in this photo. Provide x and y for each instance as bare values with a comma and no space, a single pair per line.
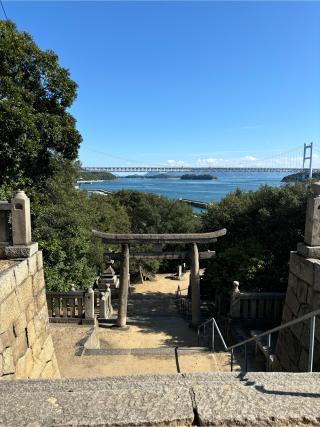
89,304
195,285
4,232
124,286
311,246
103,307
21,219
235,301
180,272
109,301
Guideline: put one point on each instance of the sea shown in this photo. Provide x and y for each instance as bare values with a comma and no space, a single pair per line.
200,190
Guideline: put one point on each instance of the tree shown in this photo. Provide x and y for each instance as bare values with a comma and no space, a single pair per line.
35,125
63,219
263,227
151,213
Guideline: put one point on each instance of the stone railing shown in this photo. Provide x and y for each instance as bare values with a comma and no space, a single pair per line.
256,305
15,228
184,305
79,306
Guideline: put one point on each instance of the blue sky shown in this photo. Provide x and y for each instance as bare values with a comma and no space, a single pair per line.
192,82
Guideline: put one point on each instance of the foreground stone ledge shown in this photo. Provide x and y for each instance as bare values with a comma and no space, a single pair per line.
215,399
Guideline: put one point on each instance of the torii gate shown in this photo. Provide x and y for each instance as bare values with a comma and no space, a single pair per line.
192,239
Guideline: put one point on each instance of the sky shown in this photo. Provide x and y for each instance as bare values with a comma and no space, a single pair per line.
195,83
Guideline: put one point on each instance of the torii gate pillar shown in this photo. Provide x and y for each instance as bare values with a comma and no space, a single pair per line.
195,285
124,286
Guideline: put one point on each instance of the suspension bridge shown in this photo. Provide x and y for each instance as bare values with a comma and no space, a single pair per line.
297,160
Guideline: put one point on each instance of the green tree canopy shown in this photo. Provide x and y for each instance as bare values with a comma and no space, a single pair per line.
63,219
35,125
151,213
263,227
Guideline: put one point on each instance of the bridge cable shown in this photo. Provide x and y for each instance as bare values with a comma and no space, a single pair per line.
4,11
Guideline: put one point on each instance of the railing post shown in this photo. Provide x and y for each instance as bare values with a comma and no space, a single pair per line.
235,301
311,343
89,304
103,306
109,302
213,330
4,229
269,352
245,358
178,292
21,219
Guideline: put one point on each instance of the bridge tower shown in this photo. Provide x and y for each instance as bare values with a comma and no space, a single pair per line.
307,155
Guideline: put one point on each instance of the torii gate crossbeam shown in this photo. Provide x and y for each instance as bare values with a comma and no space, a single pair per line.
193,239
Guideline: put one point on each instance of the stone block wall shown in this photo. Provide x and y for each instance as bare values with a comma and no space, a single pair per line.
26,347
303,296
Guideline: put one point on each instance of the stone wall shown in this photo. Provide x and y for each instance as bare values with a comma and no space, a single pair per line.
26,348
303,296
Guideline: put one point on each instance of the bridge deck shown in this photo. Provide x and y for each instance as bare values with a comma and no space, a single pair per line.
191,169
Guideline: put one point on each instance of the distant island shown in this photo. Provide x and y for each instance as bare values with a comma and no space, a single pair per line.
300,177
95,176
205,177
159,175
162,176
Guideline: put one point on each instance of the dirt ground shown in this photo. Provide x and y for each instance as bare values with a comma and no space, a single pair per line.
154,323
153,318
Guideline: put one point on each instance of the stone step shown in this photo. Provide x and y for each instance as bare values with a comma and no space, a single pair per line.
211,399
159,351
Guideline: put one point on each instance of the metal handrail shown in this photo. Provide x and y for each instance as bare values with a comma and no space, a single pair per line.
312,316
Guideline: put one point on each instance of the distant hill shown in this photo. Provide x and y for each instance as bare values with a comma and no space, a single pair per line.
205,177
162,176
300,177
95,176
152,175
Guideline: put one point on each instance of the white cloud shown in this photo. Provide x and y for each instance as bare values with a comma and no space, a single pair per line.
212,162
283,161
249,158
175,163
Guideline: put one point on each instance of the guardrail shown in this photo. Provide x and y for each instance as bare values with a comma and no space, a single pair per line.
214,327
81,306
256,305
183,303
